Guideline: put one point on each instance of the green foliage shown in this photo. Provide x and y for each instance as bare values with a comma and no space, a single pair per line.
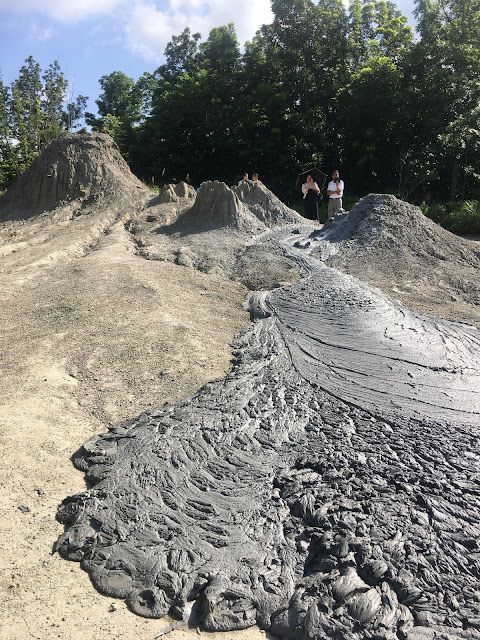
54,89
181,56
444,87
456,217
320,86
33,112
373,91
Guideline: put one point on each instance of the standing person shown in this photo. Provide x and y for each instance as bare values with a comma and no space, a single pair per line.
255,178
311,196
335,194
244,179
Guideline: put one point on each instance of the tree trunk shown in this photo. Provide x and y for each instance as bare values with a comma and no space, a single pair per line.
454,179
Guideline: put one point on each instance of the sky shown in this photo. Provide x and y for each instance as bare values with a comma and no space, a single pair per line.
93,38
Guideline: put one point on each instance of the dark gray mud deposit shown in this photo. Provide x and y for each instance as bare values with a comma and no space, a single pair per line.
327,488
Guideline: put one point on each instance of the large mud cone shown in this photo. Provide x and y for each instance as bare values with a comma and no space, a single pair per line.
391,244
217,206
383,223
265,205
86,168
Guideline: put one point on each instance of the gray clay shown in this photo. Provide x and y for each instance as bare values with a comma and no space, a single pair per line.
327,488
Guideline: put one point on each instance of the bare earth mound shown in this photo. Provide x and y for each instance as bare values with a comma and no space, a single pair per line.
392,245
81,169
325,487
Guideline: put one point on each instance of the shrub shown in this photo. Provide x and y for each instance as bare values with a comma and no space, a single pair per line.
457,217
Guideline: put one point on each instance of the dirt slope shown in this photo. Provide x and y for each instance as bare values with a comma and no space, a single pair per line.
92,333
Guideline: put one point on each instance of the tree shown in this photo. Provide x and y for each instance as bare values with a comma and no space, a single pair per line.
371,105
194,121
444,86
8,155
120,110
181,56
371,112
27,118
53,98
377,28
74,111
119,98
265,141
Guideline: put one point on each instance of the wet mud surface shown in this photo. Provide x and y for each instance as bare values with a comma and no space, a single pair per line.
328,487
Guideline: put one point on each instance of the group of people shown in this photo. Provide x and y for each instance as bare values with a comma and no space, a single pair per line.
245,179
312,195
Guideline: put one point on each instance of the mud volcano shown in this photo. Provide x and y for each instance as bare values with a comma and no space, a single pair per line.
249,208
327,488
391,244
82,169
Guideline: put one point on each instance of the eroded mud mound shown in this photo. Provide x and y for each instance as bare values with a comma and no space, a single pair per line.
391,244
327,488
265,205
180,192
84,169
381,223
217,206
250,208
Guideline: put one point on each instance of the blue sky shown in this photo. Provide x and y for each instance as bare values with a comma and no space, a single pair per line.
92,38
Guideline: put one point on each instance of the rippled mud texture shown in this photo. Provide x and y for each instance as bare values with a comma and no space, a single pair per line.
327,488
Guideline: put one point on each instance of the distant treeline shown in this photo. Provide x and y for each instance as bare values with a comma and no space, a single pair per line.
322,85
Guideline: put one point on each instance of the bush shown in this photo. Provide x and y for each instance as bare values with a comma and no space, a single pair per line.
349,201
457,217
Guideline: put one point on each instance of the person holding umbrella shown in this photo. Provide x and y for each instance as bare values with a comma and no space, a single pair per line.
311,196
310,182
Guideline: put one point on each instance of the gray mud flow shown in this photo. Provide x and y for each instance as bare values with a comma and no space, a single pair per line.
327,488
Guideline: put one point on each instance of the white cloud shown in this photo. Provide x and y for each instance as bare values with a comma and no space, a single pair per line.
40,34
150,28
148,25
62,10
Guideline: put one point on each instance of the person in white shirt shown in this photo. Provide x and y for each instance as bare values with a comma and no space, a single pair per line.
243,180
335,194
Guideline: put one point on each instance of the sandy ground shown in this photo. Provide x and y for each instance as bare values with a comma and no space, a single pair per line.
89,337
